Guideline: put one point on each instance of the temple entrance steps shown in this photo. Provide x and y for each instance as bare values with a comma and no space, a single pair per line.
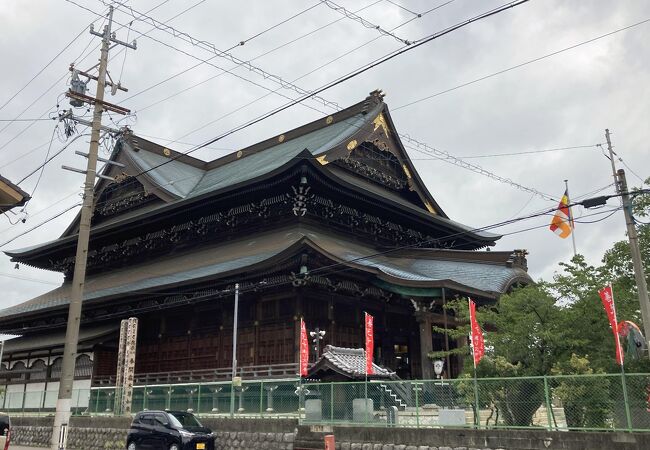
399,402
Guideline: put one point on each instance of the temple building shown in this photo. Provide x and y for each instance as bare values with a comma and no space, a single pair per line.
11,195
326,222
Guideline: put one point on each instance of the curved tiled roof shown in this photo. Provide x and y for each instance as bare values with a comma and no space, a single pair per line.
471,272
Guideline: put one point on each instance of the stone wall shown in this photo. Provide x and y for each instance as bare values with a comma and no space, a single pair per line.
370,438
101,433
278,434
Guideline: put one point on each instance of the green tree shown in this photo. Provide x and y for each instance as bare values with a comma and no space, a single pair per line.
586,401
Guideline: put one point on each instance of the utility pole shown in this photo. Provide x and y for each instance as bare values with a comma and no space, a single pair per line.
64,401
642,287
639,274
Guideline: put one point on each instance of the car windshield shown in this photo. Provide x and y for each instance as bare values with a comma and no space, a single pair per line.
184,420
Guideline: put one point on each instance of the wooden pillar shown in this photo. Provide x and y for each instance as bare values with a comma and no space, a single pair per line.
444,313
296,327
426,344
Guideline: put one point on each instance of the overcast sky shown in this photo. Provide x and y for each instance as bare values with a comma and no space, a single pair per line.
565,100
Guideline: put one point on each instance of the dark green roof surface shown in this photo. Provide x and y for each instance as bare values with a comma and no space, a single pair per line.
183,180
425,269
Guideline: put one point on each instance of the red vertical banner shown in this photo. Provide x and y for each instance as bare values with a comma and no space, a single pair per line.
304,349
370,343
478,344
607,296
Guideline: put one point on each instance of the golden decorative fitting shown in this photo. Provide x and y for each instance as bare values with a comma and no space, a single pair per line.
329,120
380,121
406,171
352,144
321,159
167,152
239,154
281,138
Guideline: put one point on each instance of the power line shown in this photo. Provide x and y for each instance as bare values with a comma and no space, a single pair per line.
529,152
337,267
357,18
443,155
525,63
266,53
47,160
241,43
43,69
353,74
402,7
34,280
40,224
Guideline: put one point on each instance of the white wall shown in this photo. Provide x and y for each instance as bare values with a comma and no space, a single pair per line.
34,393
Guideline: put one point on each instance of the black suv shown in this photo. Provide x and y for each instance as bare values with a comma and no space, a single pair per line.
168,430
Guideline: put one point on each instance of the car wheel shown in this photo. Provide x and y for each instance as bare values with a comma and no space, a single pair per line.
131,446
174,447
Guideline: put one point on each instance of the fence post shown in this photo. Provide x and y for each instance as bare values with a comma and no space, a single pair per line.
417,405
626,400
549,404
477,407
332,403
261,398
198,400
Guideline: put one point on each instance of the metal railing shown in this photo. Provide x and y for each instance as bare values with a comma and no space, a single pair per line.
581,402
206,375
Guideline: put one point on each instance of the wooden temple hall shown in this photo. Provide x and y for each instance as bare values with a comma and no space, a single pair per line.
324,222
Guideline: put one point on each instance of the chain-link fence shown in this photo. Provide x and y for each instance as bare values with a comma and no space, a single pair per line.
276,398
581,402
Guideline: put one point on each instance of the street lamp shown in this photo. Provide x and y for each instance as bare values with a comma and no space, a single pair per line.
438,367
316,336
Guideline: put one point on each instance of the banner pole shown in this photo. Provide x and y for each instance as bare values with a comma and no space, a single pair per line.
571,223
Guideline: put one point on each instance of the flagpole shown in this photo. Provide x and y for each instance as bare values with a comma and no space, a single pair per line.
571,224
619,350
365,360
477,410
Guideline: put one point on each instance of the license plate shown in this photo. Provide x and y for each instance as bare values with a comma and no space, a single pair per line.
200,446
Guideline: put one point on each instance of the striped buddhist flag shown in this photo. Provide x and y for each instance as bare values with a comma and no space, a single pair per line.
562,222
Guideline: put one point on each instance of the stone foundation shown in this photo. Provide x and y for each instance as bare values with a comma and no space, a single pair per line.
102,433
108,433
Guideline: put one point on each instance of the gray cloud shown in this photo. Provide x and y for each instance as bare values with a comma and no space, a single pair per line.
566,100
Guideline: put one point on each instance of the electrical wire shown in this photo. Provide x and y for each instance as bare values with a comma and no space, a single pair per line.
327,270
40,175
40,224
402,7
43,69
529,152
266,53
351,75
525,63
47,160
201,62
357,18
34,280
312,94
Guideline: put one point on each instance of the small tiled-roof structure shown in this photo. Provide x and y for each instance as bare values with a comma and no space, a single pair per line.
11,195
345,364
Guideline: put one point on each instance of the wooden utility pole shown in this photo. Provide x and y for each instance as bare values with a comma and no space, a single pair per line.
64,401
639,274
